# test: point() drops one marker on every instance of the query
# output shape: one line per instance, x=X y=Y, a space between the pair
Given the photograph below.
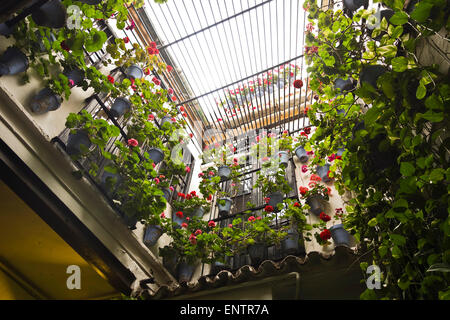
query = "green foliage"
x=396 y=159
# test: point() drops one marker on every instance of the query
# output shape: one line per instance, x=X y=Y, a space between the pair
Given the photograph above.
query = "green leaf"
x=421 y=91
x=372 y=222
x=407 y=169
x=421 y=11
x=397 y=239
x=388 y=51
x=396 y=252
x=399 y=64
x=433 y=116
x=399 y=18
x=437 y=175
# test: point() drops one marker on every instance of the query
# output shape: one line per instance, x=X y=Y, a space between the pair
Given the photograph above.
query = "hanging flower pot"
x=120 y=107
x=370 y=74
x=322 y=172
x=164 y=120
x=224 y=205
x=39 y=45
x=275 y=252
x=170 y=260
x=199 y=212
x=315 y=202
x=152 y=234
x=257 y=253
x=289 y=244
x=340 y=235
x=51 y=14
x=224 y=172
x=283 y=156
x=274 y=199
x=167 y=193
x=156 y=154
x=240 y=260
x=134 y=72
x=344 y=85
x=13 y=61
x=75 y=142
x=46 y=100
x=185 y=271
x=76 y=75
x=354 y=5
x=107 y=178
x=301 y=154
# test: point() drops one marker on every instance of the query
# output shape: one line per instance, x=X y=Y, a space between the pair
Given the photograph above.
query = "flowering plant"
x=315 y=189
x=190 y=202
x=296 y=214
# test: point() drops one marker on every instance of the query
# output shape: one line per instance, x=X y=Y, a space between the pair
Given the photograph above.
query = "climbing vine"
x=390 y=113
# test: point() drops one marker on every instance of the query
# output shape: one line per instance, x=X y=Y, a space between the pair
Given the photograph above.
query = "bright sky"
x=256 y=40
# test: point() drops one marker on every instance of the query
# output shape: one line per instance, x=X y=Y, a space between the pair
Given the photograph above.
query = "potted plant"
x=370 y=74
x=295 y=214
x=51 y=14
x=170 y=257
x=13 y=61
x=323 y=172
x=354 y=5
x=285 y=147
x=84 y=129
x=154 y=228
x=45 y=100
x=273 y=186
x=344 y=85
x=191 y=204
x=340 y=235
x=299 y=146
x=315 y=195
x=134 y=72
x=120 y=106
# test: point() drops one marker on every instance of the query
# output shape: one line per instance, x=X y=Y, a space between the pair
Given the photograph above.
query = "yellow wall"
x=34 y=258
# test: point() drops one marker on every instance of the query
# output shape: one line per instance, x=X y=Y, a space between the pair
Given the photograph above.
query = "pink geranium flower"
x=132 y=143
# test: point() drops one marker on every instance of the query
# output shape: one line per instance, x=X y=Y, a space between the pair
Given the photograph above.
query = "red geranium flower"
x=304 y=168
x=298 y=84
x=150 y=51
x=307 y=130
x=184 y=225
x=132 y=142
x=198 y=231
x=126 y=39
x=209 y=197
x=303 y=190
x=315 y=177
x=268 y=209
x=169 y=68
x=187 y=169
x=211 y=224
x=193 y=239
x=152 y=44
x=181 y=195
x=297 y=205
x=151 y=117
x=324 y=217
x=325 y=235
x=111 y=79
x=170 y=91
x=173 y=98
x=179 y=214
x=251 y=218
x=162 y=215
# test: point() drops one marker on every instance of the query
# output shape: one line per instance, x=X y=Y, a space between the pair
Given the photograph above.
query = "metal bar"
x=235 y=82
x=213 y=25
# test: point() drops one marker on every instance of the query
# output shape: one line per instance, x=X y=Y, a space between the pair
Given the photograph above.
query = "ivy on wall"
x=390 y=113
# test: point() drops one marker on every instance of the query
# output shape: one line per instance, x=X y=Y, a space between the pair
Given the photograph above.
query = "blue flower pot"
x=340 y=235
x=185 y=271
x=274 y=199
x=109 y=181
x=46 y=100
x=354 y=5
x=170 y=262
x=167 y=193
x=283 y=157
x=13 y=61
x=301 y=154
x=40 y=44
x=340 y=152
x=315 y=203
x=51 y=14
x=199 y=212
x=165 y=120
x=75 y=141
x=240 y=260
x=224 y=209
x=344 y=85
x=76 y=75
x=134 y=72
x=370 y=74
x=257 y=253
x=290 y=245
x=322 y=172
x=218 y=266
x=224 y=172
x=152 y=234
x=120 y=107
x=156 y=154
